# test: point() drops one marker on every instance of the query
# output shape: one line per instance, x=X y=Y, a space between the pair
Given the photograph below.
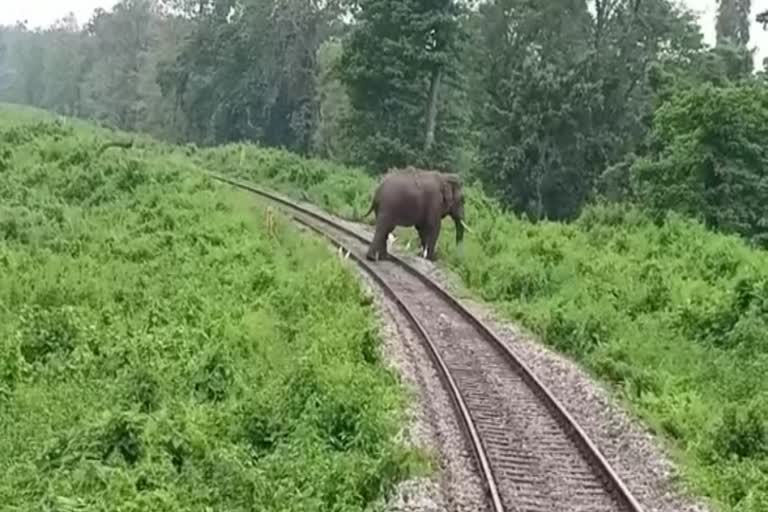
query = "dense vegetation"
x=609 y=114
x=551 y=104
x=162 y=350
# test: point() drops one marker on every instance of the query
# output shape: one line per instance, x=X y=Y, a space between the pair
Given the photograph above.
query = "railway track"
x=531 y=454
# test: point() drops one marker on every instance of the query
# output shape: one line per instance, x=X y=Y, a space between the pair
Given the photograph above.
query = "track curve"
x=540 y=460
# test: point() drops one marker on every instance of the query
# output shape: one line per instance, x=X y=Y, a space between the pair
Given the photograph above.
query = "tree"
x=707 y=162
x=5 y=72
x=25 y=62
x=247 y=70
x=332 y=103
x=732 y=29
x=400 y=57
x=62 y=66
x=117 y=48
x=763 y=19
x=567 y=93
x=538 y=94
x=732 y=25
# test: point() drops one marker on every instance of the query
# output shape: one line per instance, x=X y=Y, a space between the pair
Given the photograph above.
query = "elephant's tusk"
x=464 y=224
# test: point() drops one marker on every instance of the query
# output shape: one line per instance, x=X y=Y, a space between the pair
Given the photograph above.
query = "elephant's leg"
x=378 y=248
x=432 y=234
x=375 y=245
x=384 y=252
x=423 y=239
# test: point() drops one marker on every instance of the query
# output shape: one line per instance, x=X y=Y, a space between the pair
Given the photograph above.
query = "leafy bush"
x=160 y=351
x=708 y=158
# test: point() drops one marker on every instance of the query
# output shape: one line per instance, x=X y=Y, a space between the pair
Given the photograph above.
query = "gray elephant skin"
x=416 y=198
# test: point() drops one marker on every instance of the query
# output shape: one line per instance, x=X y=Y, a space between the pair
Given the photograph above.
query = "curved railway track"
x=529 y=451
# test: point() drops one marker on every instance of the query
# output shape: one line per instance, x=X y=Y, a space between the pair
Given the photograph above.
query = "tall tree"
x=117 y=46
x=762 y=18
x=537 y=95
x=401 y=56
x=63 y=66
x=732 y=30
x=732 y=25
x=25 y=62
x=5 y=72
x=567 y=93
x=247 y=70
x=332 y=104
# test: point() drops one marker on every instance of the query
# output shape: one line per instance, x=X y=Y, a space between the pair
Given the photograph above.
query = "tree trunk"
x=539 y=196
x=434 y=87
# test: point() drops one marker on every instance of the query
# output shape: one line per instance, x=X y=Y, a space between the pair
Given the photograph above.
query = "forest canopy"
x=551 y=105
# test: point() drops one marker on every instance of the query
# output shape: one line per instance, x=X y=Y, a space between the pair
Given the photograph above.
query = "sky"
x=45 y=12
x=707 y=9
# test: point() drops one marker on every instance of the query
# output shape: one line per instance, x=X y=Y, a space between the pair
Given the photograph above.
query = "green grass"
x=342 y=190
x=162 y=351
x=674 y=317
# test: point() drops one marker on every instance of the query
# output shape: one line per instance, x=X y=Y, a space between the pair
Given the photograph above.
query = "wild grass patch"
x=162 y=351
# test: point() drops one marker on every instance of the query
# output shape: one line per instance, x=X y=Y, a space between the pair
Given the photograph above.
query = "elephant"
x=420 y=199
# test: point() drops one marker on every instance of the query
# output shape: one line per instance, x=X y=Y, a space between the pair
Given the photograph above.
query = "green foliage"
x=672 y=316
x=256 y=77
x=343 y=190
x=114 y=61
x=707 y=159
x=392 y=58
x=161 y=351
x=568 y=95
x=733 y=21
x=333 y=106
x=549 y=104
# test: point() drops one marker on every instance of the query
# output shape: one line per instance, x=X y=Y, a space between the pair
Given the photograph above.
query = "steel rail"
x=468 y=423
x=610 y=479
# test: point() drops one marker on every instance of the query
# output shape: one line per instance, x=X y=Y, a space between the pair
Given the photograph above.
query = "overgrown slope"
x=673 y=316
x=160 y=350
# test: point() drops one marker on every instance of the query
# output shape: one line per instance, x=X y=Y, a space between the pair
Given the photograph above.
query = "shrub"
x=708 y=159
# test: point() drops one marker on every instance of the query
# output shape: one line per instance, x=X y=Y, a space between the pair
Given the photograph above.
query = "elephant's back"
x=405 y=191
x=407 y=196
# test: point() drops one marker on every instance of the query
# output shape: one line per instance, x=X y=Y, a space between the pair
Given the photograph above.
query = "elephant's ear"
x=453 y=179
x=449 y=186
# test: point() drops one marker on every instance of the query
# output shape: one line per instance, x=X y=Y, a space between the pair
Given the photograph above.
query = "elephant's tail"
x=372 y=208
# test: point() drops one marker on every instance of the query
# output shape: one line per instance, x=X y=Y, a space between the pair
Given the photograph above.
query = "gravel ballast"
x=638 y=458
